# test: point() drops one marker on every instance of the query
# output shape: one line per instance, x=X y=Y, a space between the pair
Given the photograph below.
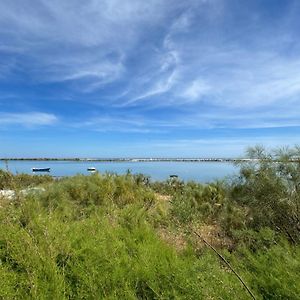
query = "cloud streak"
x=30 y=119
x=98 y=34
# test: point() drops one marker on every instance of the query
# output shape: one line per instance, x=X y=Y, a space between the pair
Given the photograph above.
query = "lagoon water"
x=197 y=171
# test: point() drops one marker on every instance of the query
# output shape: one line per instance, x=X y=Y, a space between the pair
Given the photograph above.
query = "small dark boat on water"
x=91 y=169
x=173 y=176
x=40 y=169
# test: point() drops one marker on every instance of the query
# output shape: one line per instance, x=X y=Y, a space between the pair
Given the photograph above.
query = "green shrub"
x=269 y=186
x=19 y=181
x=197 y=202
x=253 y=240
x=272 y=273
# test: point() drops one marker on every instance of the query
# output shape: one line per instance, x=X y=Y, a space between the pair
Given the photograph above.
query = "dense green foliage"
x=270 y=187
x=125 y=237
x=19 y=181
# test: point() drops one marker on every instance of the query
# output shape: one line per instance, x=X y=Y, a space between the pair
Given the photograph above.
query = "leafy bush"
x=198 y=202
x=273 y=273
x=80 y=195
x=253 y=240
x=269 y=186
x=10 y=181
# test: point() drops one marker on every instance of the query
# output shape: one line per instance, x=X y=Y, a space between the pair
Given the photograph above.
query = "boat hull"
x=40 y=169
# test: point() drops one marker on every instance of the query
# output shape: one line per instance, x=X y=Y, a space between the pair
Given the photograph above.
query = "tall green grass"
x=106 y=254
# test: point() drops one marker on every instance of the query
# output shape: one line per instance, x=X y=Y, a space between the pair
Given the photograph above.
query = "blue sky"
x=157 y=78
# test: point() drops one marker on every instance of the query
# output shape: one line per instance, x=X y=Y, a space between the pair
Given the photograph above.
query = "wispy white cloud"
x=205 y=147
x=187 y=56
x=241 y=68
x=243 y=143
x=196 y=90
x=118 y=123
x=215 y=120
x=235 y=76
x=28 y=119
x=67 y=40
x=159 y=87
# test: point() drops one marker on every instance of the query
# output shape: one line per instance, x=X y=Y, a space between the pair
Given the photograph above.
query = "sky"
x=155 y=78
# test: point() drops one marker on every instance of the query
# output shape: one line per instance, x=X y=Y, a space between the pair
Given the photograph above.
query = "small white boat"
x=91 y=169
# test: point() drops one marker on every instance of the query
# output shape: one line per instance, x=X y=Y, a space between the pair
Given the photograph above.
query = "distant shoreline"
x=131 y=159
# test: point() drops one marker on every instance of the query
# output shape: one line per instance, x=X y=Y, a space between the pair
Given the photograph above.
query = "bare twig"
x=226 y=262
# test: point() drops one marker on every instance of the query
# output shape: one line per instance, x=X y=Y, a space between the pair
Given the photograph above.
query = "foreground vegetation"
x=124 y=237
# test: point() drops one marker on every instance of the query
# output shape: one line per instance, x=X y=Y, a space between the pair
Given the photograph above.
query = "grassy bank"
x=124 y=237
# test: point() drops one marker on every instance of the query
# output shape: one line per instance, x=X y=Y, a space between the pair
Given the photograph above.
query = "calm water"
x=198 y=171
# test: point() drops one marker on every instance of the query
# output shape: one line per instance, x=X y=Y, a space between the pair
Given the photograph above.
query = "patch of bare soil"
x=177 y=240
x=163 y=198
x=214 y=235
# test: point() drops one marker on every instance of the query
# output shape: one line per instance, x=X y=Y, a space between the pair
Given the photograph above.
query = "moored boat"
x=40 y=169
x=173 y=176
x=91 y=169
